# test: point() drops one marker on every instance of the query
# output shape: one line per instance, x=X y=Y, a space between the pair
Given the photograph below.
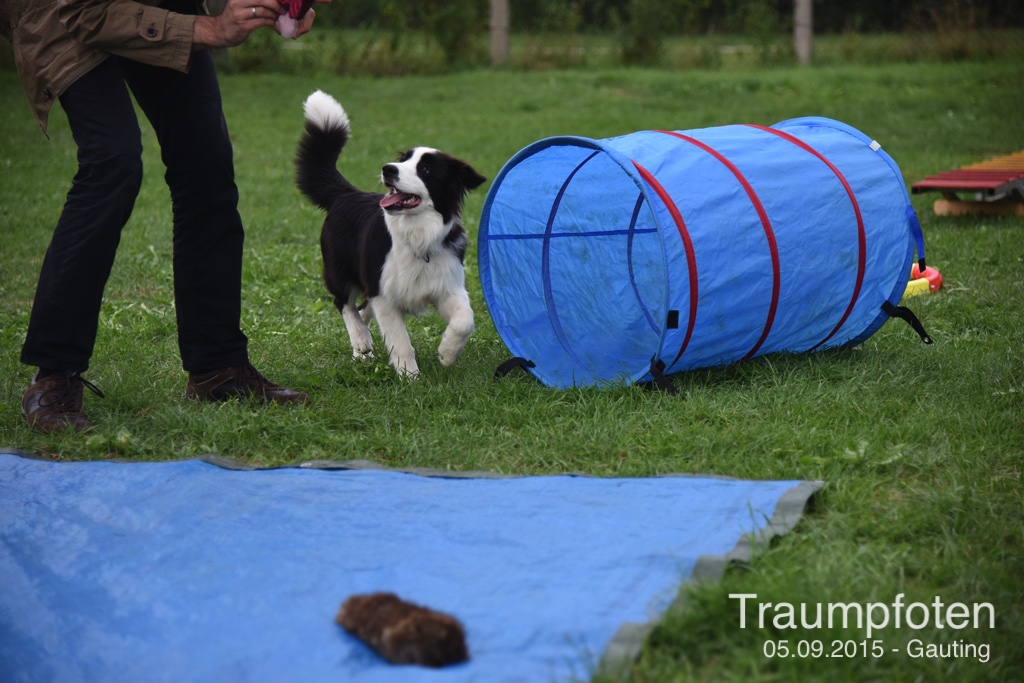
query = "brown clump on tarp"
x=404 y=633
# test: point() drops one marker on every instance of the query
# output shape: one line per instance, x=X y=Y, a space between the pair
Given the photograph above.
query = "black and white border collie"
x=401 y=251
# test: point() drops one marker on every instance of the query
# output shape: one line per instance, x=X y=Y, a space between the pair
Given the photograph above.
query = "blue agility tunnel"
x=624 y=259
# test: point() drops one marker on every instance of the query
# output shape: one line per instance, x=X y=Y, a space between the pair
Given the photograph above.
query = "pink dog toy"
x=295 y=10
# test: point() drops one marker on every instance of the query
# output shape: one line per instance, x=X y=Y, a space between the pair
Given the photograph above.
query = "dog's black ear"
x=468 y=175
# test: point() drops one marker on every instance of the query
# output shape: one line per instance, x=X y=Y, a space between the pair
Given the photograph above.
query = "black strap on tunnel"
x=661 y=381
x=511 y=364
x=906 y=314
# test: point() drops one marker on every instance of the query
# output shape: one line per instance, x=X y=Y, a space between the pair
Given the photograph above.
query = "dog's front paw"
x=456 y=335
x=452 y=346
x=362 y=356
x=406 y=373
x=406 y=367
x=448 y=356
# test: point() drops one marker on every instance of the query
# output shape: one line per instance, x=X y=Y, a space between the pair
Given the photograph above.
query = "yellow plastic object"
x=917 y=287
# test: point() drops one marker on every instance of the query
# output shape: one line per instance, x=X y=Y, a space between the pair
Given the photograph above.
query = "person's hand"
x=233 y=26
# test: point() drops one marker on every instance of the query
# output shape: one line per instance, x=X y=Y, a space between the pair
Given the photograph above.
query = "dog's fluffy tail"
x=327 y=131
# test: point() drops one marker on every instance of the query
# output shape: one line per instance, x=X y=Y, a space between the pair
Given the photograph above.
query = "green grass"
x=921 y=446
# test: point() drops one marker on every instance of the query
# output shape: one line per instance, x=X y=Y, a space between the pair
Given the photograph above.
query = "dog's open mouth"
x=398 y=201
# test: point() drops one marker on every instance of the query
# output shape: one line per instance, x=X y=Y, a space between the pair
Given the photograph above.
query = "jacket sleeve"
x=130 y=29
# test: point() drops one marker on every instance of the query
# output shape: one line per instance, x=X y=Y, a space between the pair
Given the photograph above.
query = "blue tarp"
x=193 y=571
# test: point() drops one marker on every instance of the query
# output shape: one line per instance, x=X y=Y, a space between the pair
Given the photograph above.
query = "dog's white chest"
x=413 y=283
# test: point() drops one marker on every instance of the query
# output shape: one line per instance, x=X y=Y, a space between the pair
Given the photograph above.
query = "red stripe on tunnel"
x=861 y=236
x=691 y=259
x=765 y=224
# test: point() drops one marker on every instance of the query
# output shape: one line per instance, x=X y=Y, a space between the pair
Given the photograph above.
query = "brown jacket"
x=57 y=41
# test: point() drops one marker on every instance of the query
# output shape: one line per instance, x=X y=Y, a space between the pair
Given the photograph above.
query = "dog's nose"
x=389 y=172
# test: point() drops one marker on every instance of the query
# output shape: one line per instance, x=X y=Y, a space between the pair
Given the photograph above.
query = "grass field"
x=922 y=447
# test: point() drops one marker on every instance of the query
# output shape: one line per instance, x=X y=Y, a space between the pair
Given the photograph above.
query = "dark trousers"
x=185 y=111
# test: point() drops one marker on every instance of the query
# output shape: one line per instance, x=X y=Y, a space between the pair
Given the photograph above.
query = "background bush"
x=404 y=37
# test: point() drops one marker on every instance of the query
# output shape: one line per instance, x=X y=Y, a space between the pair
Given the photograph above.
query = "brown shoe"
x=54 y=402
x=242 y=381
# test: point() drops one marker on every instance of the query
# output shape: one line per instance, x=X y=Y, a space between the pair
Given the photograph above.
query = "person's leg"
x=65 y=312
x=185 y=110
